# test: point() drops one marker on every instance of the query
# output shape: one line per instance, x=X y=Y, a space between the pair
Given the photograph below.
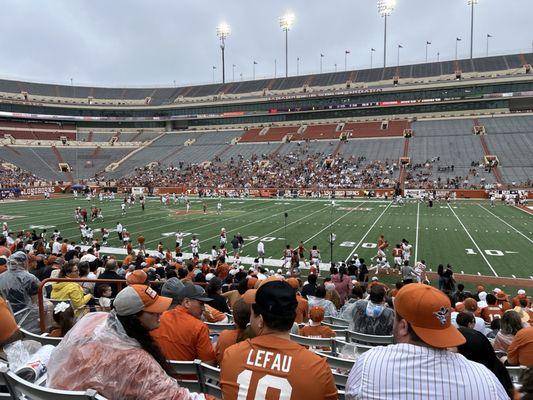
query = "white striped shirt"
x=406 y=371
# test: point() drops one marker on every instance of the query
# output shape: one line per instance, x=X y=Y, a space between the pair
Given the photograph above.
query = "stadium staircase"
x=277 y=150
x=337 y=149
x=495 y=170
x=134 y=139
x=60 y=160
x=179 y=149
x=402 y=166
x=221 y=152
x=12 y=149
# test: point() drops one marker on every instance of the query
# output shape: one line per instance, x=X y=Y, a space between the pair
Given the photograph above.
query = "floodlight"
x=386 y=7
x=470 y=2
x=223 y=30
x=287 y=21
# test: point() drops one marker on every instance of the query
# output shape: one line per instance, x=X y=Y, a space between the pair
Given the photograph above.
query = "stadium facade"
x=457 y=112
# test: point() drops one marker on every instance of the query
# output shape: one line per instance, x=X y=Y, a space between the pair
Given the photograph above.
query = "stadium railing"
x=339 y=321
x=336 y=328
x=21 y=389
x=341 y=395
x=215 y=329
x=208 y=377
x=515 y=372
x=320 y=343
x=43 y=339
x=371 y=340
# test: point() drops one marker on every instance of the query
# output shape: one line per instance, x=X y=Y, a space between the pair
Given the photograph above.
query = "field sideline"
x=470 y=235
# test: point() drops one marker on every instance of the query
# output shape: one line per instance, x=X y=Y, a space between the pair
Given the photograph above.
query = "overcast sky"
x=157 y=42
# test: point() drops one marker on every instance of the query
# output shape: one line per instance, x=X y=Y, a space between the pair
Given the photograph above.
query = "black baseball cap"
x=194 y=292
x=276 y=298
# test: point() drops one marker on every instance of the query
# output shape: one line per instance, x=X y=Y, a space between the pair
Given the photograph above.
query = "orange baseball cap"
x=293 y=282
x=251 y=283
x=316 y=314
x=137 y=277
x=428 y=311
x=9 y=325
x=137 y=298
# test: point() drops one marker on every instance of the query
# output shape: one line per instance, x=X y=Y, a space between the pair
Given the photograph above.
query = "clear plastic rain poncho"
x=98 y=354
x=18 y=287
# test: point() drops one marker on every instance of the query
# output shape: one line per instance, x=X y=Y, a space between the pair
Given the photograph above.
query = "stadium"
x=225 y=240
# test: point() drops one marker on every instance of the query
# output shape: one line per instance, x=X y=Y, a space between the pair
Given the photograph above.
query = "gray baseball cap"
x=194 y=292
x=137 y=298
x=172 y=288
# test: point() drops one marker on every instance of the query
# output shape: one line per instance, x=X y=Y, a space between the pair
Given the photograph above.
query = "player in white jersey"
x=123 y=208
x=174 y=199
x=179 y=239
x=89 y=235
x=287 y=256
x=219 y=208
x=420 y=271
x=406 y=247
x=99 y=215
x=261 y=250
x=223 y=238
x=5 y=229
x=187 y=206
x=492 y=200
x=101 y=197
x=105 y=236
x=195 y=246
x=214 y=256
x=314 y=255
x=88 y=197
x=47 y=195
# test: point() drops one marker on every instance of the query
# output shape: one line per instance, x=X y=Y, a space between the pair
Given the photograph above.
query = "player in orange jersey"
x=271 y=366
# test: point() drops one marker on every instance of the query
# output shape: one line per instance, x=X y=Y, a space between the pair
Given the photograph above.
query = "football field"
x=470 y=235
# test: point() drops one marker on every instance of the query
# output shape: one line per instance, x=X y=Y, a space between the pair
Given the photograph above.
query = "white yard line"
x=243 y=226
x=367 y=232
x=334 y=222
x=473 y=241
x=283 y=227
x=416 y=236
x=506 y=223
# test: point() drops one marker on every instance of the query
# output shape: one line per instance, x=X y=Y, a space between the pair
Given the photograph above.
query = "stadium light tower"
x=223 y=31
x=286 y=22
x=472 y=3
x=385 y=8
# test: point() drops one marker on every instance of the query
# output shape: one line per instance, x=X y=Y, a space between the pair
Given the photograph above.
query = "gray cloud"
x=145 y=42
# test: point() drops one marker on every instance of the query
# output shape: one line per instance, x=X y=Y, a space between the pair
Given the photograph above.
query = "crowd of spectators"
x=426 y=175
x=161 y=306
x=300 y=169
x=15 y=177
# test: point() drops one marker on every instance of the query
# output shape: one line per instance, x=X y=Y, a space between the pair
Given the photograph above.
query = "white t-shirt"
x=260 y=247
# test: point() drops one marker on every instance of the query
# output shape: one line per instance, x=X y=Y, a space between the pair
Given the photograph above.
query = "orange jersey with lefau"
x=273 y=368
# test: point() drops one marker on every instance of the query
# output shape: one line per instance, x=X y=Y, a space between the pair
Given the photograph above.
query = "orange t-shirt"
x=127 y=260
x=64 y=248
x=320 y=331
x=226 y=339
x=271 y=368
x=232 y=296
x=301 y=310
x=211 y=314
x=4 y=251
x=222 y=271
x=490 y=313
x=520 y=351
x=183 y=337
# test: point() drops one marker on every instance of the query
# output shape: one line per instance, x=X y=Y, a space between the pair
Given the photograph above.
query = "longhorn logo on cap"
x=442 y=315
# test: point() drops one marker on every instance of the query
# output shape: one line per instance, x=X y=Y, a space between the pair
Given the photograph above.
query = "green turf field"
x=470 y=235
